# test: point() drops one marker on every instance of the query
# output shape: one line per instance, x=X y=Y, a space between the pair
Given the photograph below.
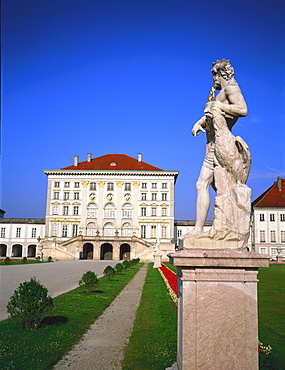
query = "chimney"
x=279 y=183
x=89 y=157
x=139 y=157
x=75 y=160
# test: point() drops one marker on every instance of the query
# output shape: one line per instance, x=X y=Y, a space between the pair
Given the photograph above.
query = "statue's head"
x=224 y=68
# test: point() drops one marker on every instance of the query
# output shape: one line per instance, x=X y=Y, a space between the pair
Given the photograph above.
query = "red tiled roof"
x=273 y=196
x=114 y=162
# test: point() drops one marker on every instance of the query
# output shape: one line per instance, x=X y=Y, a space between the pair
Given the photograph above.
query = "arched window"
x=126 y=229
x=91 y=229
x=109 y=229
x=109 y=211
x=92 y=210
x=127 y=211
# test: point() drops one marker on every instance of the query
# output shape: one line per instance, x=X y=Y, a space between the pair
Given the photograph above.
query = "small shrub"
x=89 y=281
x=29 y=304
x=7 y=260
x=119 y=268
x=49 y=259
x=24 y=260
x=109 y=272
x=126 y=264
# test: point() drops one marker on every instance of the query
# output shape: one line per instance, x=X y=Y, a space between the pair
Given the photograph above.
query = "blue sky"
x=133 y=76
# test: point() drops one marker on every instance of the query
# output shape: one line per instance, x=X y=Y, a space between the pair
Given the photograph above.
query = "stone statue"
x=225 y=167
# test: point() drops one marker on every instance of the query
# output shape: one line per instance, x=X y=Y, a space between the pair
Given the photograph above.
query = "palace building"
x=109 y=207
x=268 y=220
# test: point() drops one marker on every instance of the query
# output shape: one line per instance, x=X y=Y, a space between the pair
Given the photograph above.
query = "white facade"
x=19 y=237
x=269 y=230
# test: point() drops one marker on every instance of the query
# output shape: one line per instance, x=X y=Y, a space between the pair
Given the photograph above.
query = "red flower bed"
x=171 y=278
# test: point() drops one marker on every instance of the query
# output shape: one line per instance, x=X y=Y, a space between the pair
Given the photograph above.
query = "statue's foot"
x=192 y=234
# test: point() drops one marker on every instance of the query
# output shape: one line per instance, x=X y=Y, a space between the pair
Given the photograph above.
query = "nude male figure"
x=232 y=105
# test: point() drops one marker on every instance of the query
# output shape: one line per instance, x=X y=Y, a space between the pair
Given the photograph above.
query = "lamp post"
x=54 y=239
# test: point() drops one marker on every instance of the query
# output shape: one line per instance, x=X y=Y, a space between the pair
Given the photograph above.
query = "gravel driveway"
x=58 y=277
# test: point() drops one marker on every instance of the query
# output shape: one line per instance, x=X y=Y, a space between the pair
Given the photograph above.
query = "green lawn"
x=73 y=313
x=152 y=344
x=271 y=314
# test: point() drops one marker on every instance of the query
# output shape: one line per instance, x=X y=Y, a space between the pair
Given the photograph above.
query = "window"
x=65 y=195
x=153 y=196
x=154 y=185
x=56 y=184
x=55 y=210
x=54 y=230
x=143 y=231
x=76 y=185
x=262 y=250
x=92 y=211
x=262 y=236
x=282 y=236
x=153 y=211
x=144 y=185
x=109 y=229
x=143 y=196
x=18 y=232
x=34 y=232
x=153 y=231
x=92 y=186
x=76 y=195
x=65 y=210
x=272 y=236
x=74 y=230
x=75 y=210
x=261 y=217
x=64 y=231
x=164 y=211
x=179 y=233
x=56 y=195
x=127 y=229
x=273 y=252
x=128 y=186
x=164 y=231
x=66 y=184
x=164 y=185
x=143 y=211
x=282 y=217
x=127 y=211
x=109 y=211
x=164 y=196
x=110 y=186
x=3 y=232
x=272 y=217
x=91 y=229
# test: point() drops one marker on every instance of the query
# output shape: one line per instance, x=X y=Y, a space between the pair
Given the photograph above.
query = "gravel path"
x=102 y=347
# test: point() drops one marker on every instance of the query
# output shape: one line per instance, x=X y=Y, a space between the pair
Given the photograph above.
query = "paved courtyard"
x=58 y=277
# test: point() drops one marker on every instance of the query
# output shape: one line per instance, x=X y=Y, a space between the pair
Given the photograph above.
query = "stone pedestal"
x=157 y=259
x=217 y=309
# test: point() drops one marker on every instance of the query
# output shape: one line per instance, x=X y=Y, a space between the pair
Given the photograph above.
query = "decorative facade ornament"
x=92 y=196
x=84 y=184
x=101 y=184
x=136 y=184
x=119 y=184
x=127 y=197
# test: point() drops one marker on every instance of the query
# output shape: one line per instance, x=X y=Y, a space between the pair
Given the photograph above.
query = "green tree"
x=119 y=268
x=29 y=304
x=109 y=272
x=89 y=281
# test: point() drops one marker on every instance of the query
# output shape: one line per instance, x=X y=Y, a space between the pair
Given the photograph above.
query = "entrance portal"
x=125 y=252
x=31 y=251
x=3 y=250
x=17 y=250
x=106 y=251
x=88 y=251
